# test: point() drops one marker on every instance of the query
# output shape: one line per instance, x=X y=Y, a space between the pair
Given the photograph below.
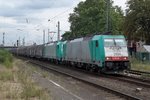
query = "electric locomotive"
x=105 y=53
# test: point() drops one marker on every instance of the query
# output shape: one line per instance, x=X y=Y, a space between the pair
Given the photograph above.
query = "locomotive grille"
x=116 y=65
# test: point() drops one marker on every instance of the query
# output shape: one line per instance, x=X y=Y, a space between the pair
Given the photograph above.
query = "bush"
x=6 y=58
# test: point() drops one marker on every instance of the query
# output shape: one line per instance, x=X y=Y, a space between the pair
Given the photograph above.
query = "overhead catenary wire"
x=62 y=13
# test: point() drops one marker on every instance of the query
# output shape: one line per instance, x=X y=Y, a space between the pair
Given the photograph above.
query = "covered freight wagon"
x=39 y=51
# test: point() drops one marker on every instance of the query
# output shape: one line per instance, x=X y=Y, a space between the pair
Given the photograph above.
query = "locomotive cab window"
x=96 y=43
x=120 y=42
x=114 y=42
x=109 y=42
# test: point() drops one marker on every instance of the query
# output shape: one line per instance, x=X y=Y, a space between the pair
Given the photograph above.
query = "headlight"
x=108 y=58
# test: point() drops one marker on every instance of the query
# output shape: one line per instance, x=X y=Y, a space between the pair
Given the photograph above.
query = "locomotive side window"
x=96 y=43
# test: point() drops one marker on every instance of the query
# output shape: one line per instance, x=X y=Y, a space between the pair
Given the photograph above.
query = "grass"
x=44 y=74
x=31 y=91
x=12 y=90
x=139 y=65
x=6 y=76
x=6 y=58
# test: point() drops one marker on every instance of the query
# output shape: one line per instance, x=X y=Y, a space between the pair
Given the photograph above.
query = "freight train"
x=100 y=53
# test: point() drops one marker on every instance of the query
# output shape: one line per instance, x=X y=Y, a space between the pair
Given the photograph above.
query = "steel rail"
x=137 y=72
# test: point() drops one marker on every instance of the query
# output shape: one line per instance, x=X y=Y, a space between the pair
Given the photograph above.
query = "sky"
x=28 y=18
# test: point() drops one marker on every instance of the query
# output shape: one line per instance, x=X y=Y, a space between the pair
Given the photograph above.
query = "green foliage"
x=137 y=21
x=6 y=58
x=89 y=17
x=66 y=36
x=117 y=20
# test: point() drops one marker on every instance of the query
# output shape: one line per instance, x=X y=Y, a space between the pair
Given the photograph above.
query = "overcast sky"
x=28 y=18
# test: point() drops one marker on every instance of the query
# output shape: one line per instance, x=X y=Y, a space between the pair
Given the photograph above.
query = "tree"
x=66 y=36
x=89 y=17
x=137 y=20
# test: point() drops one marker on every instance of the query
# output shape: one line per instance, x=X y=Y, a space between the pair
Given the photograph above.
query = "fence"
x=144 y=56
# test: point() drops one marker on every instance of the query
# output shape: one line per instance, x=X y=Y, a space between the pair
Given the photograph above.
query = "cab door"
x=95 y=50
x=57 y=51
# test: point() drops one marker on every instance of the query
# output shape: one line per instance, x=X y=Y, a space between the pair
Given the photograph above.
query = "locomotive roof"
x=51 y=43
x=96 y=37
x=81 y=39
x=77 y=40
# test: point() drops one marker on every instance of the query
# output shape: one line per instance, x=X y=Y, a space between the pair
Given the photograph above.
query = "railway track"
x=133 y=80
x=116 y=92
x=137 y=76
x=122 y=77
x=138 y=72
